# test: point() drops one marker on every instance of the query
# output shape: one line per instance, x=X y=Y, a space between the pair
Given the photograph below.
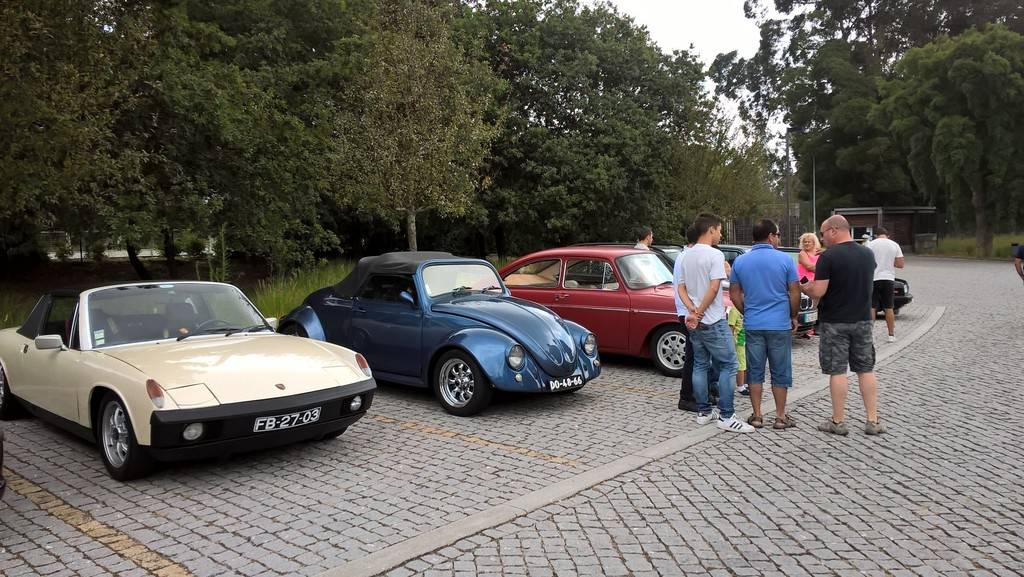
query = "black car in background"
x=901 y=288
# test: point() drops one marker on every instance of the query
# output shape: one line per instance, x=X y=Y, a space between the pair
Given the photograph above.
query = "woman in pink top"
x=807 y=258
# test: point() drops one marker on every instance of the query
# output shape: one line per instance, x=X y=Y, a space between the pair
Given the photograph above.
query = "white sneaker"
x=892 y=339
x=705 y=418
x=734 y=425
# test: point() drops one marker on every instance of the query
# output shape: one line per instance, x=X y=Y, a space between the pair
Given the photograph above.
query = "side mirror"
x=50 y=342
x=407 y=297
x=273 y=322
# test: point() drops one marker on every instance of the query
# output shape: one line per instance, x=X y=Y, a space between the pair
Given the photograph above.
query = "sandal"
x=755 y=421
x=784 y=422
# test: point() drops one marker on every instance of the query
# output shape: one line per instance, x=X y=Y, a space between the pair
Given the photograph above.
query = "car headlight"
x=590 y=344
x=516 y=357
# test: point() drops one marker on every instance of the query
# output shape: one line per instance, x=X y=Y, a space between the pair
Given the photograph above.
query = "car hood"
x=240 y=367
x=541 y=331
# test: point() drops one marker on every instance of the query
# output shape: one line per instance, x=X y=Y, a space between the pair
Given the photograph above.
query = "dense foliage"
x=307 y=128
x=821 y=69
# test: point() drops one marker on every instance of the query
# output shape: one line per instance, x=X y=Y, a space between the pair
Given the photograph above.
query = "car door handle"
x=561 y=296
x=24 y=349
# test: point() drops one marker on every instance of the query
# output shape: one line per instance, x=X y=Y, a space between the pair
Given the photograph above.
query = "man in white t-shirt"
x=888 y=258
x=699 y=289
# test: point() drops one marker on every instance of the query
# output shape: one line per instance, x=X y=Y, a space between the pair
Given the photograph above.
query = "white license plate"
x=288 y=421
x=810 y=317
x=566 y=383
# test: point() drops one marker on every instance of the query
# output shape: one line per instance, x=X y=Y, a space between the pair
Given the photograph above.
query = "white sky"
x=704 y=27
x=711 y=26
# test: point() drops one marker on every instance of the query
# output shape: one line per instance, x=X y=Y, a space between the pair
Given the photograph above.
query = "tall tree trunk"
x=170 y=252
x=410 y=228
x=133 y=257
x=982 y=226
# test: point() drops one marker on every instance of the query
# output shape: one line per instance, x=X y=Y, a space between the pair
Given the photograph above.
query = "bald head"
x=836 y=221
x=835 y=229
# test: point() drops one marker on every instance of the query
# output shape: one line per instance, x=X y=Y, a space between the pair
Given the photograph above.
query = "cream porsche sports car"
x=174 y=370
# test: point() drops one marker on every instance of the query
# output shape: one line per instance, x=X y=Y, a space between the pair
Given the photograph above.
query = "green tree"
x=415 y=133
x=595 y=111
x=59 y=69
x=818 y=68
x=954 y=104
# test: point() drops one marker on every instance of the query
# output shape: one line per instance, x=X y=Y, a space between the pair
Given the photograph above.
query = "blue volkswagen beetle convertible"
x=431 y=319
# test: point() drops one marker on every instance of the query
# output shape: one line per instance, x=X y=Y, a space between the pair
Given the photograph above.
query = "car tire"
x=668 y=350
x=294 y=329
x=122 y=455
x=333 y=434
x=460 y=384
x=9 y=407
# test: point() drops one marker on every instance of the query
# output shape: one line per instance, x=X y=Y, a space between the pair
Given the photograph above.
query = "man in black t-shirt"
x=1018 y=259
x=843 y=280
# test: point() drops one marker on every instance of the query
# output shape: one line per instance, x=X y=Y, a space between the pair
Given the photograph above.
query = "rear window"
x=537 y=274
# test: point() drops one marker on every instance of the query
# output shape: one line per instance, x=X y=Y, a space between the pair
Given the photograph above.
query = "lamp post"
x=789 y=233
x=814 y=191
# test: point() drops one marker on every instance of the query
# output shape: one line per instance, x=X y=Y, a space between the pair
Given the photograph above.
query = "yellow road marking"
x=115 y=540
x=473 y=439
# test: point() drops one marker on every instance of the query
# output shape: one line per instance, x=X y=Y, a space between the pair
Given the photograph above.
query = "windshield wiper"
x=461 y=290
x=206 y=332
x=491 y=288
x=252 y=329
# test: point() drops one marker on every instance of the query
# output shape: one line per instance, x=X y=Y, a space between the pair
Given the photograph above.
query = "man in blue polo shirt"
x=764 y=288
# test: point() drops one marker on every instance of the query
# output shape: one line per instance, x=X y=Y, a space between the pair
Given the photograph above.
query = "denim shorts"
x=775 y=347
x=843 y=344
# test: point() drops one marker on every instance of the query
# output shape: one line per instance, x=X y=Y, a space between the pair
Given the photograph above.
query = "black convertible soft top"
x=388 y=263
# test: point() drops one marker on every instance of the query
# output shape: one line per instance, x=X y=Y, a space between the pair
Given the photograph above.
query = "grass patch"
x=276 y=297
x=499 y=262
x=14 y=307
x=965 y=246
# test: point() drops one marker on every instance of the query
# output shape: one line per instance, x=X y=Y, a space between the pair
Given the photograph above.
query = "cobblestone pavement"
x=938 y=495
x=408 y=467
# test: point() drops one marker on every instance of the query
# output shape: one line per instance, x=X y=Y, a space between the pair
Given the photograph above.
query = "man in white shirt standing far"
x=644 y=238
x=703 y=270
x=888 y=258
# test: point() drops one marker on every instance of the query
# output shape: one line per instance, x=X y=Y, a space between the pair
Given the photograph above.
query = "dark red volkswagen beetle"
x=622 y=294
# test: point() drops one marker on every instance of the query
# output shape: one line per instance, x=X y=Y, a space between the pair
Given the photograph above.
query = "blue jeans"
x=713 y=345
x=775 y=347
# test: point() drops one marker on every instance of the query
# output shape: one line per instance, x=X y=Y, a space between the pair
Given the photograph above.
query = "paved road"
x=409 y=469
x=939 y=495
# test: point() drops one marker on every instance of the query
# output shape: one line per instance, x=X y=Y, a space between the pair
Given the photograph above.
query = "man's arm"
x=736 y=294
x=1019 y=265
x=687 y=302
x=709 y=297
x=794 y=303
x=815 y=289
x=898 y=263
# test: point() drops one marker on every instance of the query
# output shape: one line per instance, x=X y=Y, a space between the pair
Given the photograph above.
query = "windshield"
x=643 y=270
x=144 y=313
x=439 y=279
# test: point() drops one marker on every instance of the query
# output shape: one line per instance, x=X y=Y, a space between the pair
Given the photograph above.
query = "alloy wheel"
x=672 y=349
x=457 y=382
x=115 y=434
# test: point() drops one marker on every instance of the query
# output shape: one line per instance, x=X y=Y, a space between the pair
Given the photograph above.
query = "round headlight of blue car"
x=590 y=344
x=516 y=357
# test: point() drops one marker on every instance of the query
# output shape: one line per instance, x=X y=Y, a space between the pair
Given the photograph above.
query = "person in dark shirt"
x=843 y=281
x=1018 y=259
